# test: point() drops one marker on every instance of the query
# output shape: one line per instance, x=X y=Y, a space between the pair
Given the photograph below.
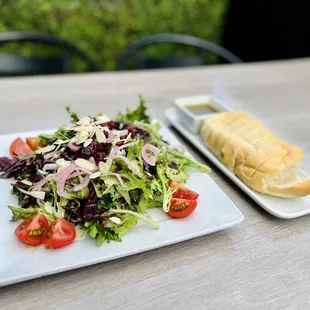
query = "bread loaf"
x=261 y=160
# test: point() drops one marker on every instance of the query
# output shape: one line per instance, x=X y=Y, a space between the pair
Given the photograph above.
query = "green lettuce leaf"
x=166 y=190
x=128 y=221
x=22 y=213
x=46 y=139
x=97 y=230
x=139 y=114
x=73 y=115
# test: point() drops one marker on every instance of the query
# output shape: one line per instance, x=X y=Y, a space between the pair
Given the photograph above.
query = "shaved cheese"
x=87 y=142
x=84 y=120
x=49 y=207
x=83 y=163
x=95 y=175
x=49 y=167
x=102 y=119
x=105 y=167
x=62 y=163
x=59 y=141
x=115 y=220
x=26 y=182
x=46 y=149
x=78 y=128
x=37 y=194
x=100 y=136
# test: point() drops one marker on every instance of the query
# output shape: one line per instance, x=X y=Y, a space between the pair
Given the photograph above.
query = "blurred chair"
x=202 y=46
x=15 y=65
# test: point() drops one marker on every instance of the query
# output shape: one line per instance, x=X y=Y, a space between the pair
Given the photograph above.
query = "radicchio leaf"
x=20 y=167
x=91 y=210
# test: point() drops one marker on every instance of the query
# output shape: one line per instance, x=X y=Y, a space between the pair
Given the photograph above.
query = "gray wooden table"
x=264 y=263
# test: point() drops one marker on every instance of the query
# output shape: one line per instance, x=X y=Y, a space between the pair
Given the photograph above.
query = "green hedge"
x=104 y=28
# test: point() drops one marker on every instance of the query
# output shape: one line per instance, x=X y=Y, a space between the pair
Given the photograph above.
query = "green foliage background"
x=104 y=28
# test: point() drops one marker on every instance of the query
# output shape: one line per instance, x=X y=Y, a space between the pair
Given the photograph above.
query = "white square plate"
x=19 y=263
x=279 y=207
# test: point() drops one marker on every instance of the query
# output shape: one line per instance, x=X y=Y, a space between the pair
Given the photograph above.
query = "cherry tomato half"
x=34 y=143
x=33 y=229
x=60 y=234
x=181 y=207
x=19 y=147
x=182 y=191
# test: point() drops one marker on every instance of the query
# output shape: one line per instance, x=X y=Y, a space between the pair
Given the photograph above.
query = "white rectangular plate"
x=279 y=207
x=19 y=263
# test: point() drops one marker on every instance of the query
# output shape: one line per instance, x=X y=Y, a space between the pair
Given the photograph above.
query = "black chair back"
x=201 y=45
x=15 y=65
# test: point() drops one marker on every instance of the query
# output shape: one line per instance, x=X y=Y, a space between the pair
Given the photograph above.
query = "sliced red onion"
x=76 y=174
x=150 y=160
x=38 y=186
x=57 y=177
x=79 y=172
x=81 y=185
x=61 y=179
x=50 y=167
x=65 y=174
x=111 y=137
x=115 y=151
x=68 y=170
x=92 y=160
x=61 y=191
x=114 y=154
x=73 y=147
x=84 y=170
x=126 y=160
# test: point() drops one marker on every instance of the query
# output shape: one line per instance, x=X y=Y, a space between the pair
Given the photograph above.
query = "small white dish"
x=18 y=262
x=192 y=110
x=279 y=207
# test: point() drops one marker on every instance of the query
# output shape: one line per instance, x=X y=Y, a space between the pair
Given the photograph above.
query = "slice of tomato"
x=182 y=191
x=34 y=143
x=19 y=147
x=60 y=234
x=181 y=207
x=33 y=229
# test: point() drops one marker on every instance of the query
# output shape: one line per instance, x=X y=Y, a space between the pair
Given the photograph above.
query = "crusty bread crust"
x=299 y=189
x=254 y=154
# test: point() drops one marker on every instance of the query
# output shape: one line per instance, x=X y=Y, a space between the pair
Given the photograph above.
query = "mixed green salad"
x=97 y=174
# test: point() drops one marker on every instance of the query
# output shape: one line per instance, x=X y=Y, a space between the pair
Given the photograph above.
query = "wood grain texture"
x=261 y=264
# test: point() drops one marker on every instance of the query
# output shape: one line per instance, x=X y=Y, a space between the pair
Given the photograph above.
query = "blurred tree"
x=104 y=28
